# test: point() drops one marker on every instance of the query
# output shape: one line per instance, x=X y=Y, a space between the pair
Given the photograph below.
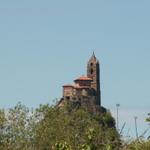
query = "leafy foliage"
x=67 y=128
x=49 y=127
x=137 y=145
x=78 y=128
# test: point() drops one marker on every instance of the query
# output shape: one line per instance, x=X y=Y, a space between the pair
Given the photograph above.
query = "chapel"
x=86 y=89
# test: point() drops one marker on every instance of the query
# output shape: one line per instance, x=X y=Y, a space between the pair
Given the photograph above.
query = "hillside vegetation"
x=67 y=128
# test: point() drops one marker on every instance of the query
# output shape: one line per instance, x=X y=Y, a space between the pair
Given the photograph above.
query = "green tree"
x=17 y=131
x=2 y=125
x=71 y=126
x=52 y=128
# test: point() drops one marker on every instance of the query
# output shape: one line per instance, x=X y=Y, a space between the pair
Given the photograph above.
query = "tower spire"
x=93 y=54
x=93 y=57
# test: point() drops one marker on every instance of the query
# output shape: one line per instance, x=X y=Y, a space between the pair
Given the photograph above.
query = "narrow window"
x=68 y=97
x=91 y=71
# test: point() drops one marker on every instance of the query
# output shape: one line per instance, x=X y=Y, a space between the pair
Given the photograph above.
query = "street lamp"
x=117 y=106
x=136 y=130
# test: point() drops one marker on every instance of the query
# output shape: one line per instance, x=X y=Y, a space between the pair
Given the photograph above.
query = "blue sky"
x=45 y=44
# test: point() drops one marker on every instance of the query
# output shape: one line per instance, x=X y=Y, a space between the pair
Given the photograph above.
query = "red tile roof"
x=83 y=78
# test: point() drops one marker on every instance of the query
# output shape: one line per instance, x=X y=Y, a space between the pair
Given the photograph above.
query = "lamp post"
x=117 y=106
x=136 y=130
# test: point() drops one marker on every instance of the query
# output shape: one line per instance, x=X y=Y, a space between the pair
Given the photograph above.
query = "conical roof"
x=93 y=58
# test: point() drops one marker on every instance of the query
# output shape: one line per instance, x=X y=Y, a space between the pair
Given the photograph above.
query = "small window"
x=68 y=97
x=91 y=64
x=91 y=71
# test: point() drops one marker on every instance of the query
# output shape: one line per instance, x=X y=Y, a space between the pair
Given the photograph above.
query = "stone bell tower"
x=93 y=71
